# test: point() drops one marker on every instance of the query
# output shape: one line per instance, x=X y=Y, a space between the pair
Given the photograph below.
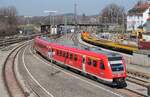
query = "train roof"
x=69 y=43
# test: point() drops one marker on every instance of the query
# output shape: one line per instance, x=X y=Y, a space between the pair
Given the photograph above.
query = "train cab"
x=114 y=66
x=118 y=69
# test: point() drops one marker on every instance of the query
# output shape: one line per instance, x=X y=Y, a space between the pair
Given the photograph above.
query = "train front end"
x=118 y=69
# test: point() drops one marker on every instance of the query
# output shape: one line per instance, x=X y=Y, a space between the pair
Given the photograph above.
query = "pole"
x=124 y=28
x=65 y=25
x=75 y=12
x=148 y=90
x=51 y=51
x=52 y=74
x=49 y=22
x=53 y=19
x=75 y=20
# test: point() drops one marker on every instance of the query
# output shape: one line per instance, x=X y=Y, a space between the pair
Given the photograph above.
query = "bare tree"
x=112 y=14
x=8 y=20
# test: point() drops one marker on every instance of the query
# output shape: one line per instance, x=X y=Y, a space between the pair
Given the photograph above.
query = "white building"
x=137 y=16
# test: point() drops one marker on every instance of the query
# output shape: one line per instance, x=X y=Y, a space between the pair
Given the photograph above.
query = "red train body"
x=107 y=67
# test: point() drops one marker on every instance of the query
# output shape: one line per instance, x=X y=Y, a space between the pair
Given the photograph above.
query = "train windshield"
x=117 y=67
x=114 y=58
x=116 y=63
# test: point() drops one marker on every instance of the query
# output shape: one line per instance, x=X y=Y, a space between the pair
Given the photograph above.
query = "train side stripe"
x=109 y=80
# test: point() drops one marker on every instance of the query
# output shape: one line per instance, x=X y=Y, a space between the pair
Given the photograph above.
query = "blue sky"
x=37 y=7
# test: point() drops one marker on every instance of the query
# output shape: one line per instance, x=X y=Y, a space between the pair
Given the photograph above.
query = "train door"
x=83 y=63
x=50 y=53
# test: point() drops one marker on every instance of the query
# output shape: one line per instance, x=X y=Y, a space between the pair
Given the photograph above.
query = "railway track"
x=138 y=78
x=12 y=84
x=11 y=41
x=139 y=75
x=6 y=42
x=15 y=89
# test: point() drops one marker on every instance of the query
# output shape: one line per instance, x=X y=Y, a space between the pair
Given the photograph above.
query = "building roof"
x=139 y=8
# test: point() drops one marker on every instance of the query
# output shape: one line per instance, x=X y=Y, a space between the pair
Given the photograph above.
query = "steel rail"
x=10 y=80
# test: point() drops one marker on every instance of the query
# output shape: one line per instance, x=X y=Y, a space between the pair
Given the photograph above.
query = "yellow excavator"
x=137 y=33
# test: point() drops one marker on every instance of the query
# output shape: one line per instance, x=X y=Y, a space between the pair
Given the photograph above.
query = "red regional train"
x=107 y=67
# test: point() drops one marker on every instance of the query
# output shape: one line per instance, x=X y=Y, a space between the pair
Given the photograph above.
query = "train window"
x=102 y=66
x=117 y=67
x=70 y=56
x=64 y=53
x=83 y=59
x=94 y=63
x=60 y=53
x=57 y=52
x=89 y=61
x=52 y=49
x=75 y=57
x=67 y=54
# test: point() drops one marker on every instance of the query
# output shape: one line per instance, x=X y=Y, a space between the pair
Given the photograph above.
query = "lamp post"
x=65 y=25
x=50 y=13
x=28 y=20
x=50 y=52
